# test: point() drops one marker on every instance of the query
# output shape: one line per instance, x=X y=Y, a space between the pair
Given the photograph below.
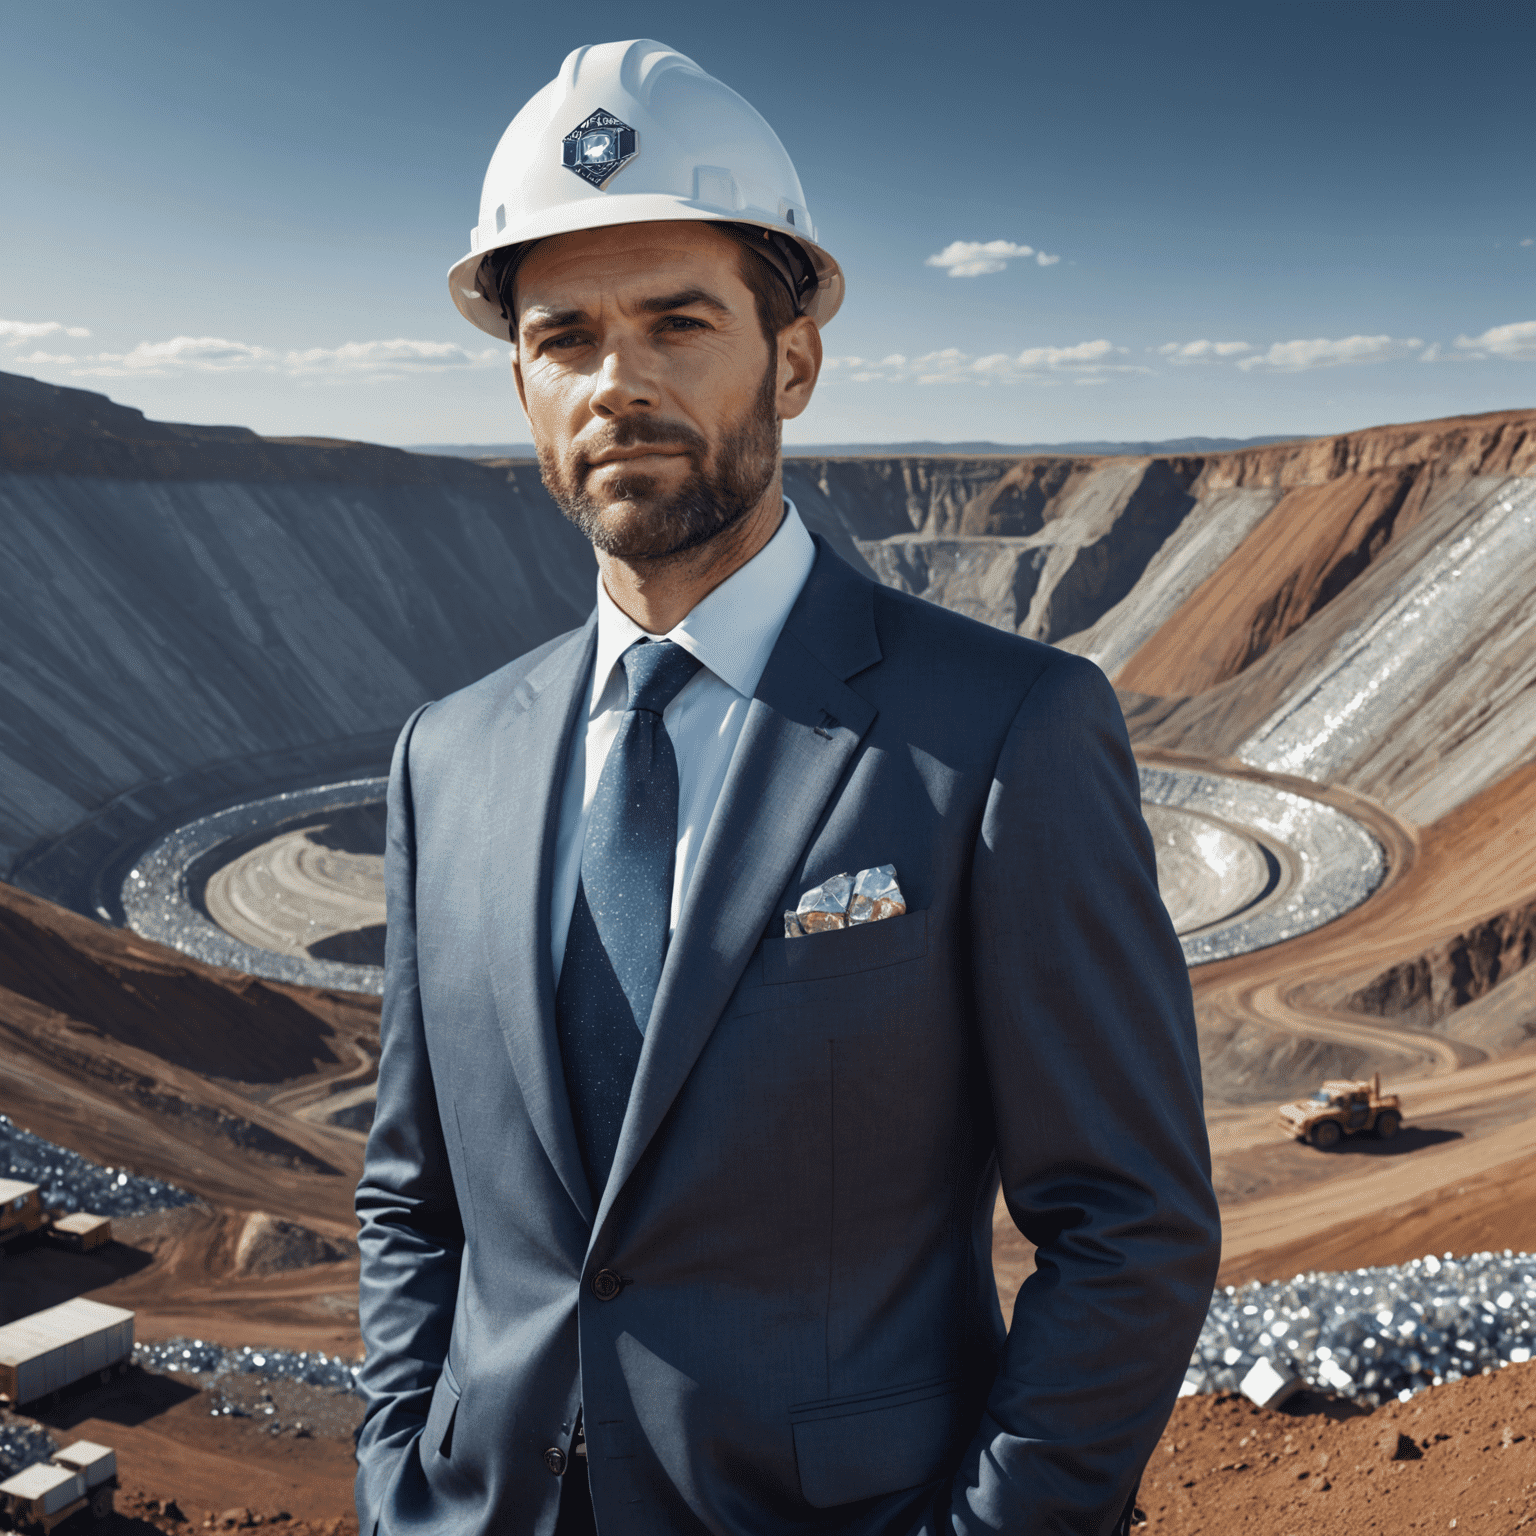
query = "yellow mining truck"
x=1339 y=1109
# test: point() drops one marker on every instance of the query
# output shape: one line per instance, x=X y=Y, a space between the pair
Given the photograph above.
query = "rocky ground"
x=1457 y=1457
x=1461 y=1457
x=111 y=1047
x=184 y=1462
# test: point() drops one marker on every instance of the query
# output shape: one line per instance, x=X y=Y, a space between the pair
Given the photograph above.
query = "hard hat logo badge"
x=598 y=148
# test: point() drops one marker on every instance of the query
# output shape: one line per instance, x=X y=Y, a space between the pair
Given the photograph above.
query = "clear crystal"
x=876 y=895
x=825 y=906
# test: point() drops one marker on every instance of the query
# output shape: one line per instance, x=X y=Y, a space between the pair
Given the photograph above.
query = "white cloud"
x=1065 y=357
x=1528 y=241
x=399 y=358
x=1297 y=356
x=1086 y=361
x=40 y=360
x=370 y=361
x=1515 y=342
x=14 y=332
x=976 y=258
x=1096 y=362
x=1202 y=351
x=181 y=354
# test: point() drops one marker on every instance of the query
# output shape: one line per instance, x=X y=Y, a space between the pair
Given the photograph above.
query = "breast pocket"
x=865 y=947
x=863 y=1447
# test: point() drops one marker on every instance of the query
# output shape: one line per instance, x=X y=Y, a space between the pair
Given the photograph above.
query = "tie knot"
x=656 y=671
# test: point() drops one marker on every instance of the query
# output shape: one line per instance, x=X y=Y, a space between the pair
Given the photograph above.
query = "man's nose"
x=621 y=386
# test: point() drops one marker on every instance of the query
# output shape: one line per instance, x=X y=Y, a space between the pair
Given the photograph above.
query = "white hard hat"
x=628 y=133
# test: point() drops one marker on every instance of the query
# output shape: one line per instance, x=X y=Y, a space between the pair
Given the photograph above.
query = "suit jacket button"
x=606 y=1285
x=554 y=1459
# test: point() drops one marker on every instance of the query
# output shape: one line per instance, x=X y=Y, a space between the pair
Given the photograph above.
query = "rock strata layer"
x=201 y=617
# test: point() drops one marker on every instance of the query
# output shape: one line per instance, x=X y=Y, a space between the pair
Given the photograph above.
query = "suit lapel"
x=801 y=732
x=530 y=747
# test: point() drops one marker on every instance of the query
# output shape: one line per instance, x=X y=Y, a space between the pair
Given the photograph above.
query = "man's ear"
x=799 y=348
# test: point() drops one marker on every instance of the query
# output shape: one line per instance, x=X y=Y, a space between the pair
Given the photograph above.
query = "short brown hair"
x=771 y=295
x=775 y=303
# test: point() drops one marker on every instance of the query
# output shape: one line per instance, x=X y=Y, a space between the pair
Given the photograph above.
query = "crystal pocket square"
x=845 y=901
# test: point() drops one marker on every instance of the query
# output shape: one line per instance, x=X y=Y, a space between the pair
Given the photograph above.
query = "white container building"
x=43 y=1492
x=97 y=1464
x=62 y=1345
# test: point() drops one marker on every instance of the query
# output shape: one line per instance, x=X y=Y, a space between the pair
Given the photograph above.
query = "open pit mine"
x=1325 y=649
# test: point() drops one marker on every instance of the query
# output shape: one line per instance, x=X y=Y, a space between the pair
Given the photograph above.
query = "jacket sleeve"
x=1088 y=1035
x=410 y=1236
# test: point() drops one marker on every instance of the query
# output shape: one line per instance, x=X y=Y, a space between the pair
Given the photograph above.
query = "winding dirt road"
x=1471 y=1130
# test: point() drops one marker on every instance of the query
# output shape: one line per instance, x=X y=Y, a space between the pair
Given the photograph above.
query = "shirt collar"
x=734 y=629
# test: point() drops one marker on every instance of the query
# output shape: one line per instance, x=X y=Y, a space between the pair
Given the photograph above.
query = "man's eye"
x=564 y=343
x=682 y=323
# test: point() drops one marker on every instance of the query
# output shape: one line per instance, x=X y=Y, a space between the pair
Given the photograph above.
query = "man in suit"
x=673 y=1222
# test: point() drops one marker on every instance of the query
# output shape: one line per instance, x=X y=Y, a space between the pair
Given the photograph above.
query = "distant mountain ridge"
x=927 y=448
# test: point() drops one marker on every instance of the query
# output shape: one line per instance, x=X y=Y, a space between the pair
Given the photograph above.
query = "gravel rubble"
x=1365 y=1334
x=314 y=1368
x=70 y=1182
x=1374 y=1334
x=21 y=1445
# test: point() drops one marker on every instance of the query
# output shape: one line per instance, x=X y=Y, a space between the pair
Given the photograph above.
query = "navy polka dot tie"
x=618 y=934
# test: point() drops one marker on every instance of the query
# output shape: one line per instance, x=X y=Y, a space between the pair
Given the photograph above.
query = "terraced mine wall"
x=192 y=617
x=188 y=615
x=1488 y=964
x=197 y=619
x=1354 y=611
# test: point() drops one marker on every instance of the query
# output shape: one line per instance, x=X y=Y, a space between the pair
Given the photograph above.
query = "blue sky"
x=1266 y=217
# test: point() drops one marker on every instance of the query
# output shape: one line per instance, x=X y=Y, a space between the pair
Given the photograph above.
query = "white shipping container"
x=42 y=1489
x=95 y=1463
x=82 y=1230
x=62 y=1345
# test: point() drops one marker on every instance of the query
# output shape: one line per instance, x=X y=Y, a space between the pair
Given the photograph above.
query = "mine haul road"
x=1464 y=1161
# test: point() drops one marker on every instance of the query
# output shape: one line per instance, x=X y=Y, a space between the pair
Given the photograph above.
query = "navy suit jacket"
x=807 y=1336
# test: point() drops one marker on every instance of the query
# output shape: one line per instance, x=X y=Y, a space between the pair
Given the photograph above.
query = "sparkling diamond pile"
x=21 y=1445
x=198 y=1358
x=70 y=1183
x=1376 y=1333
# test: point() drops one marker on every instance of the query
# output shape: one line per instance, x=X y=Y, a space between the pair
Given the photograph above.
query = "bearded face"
x=654 y=386
x=641 y=514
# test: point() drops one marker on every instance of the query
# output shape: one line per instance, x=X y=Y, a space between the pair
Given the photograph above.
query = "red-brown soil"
x=1486 y=1211
x=172 y=1444
x=143 y=1059
x=1470 y=1125
x=1345 y=500
x=1317 y=539
x=1459 y=1457
x=111 y=1046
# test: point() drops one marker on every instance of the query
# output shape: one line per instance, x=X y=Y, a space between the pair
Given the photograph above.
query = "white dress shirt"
x=733 y=632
